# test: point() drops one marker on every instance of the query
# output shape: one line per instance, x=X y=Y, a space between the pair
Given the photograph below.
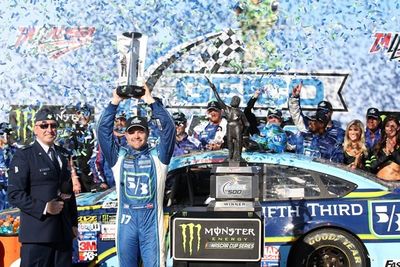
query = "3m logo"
x=87 y=246
x=190 y=232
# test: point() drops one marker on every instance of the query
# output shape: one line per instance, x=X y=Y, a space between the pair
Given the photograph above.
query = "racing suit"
x=301 y=121
x=327 y=145
x=317 y=146
x=186 y=145
x=208 y=133
x=139 y=177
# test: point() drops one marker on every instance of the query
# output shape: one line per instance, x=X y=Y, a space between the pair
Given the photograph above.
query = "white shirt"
x=46 y=148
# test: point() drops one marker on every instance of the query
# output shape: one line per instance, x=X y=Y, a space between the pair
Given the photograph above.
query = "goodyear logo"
x=384 y=217
x=190 y=232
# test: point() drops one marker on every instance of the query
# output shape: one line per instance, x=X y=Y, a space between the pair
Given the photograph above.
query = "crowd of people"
x=118 y=152
x=374 y=148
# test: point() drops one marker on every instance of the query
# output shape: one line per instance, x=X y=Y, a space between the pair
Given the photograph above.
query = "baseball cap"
x=5 y=127
x=320 y=116
x=139 y=122
x=84 y=110
x=325 y=106
x=120 y=115
x=179 y=117
x=272 y=112
x=44 y=114
x=373 y=113
x=213 y=105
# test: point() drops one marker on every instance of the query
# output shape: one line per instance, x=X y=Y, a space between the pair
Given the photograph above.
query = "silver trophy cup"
x=132 y=53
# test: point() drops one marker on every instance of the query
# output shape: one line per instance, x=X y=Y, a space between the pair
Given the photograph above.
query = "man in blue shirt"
x=211 y=133
x=315 y=140
x=301 y=121
x=373 y=130
x=184 y=143
x=139 y=173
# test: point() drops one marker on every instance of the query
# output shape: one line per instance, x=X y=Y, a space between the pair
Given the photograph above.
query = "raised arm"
x=220 y=101
x=295 y=109
x=166 y=131
x=105 y=131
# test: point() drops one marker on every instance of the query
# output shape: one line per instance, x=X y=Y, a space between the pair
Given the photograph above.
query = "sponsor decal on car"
x=109 y=218
x=108 y=232
x=315 y=209
x=88 y=227
x=110 y=205
x=87 y=219
x=392 y=263
x=88 y=235
x=271 y=253
x=87 y=250
x=384 y=218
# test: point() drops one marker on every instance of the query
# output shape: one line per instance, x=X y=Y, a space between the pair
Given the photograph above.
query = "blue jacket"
x=368 y=138
x=148 y=165
x=33 y=181
x=301 y=121
x=319 y=146
x=186 y=145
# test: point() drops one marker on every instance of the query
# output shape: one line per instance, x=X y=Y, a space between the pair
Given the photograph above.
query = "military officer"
x=40 y=186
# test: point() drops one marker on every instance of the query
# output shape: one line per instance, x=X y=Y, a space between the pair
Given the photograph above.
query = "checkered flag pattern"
x=221 y=52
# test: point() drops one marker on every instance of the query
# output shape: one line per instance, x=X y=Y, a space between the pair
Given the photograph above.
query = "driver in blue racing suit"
x=139 y=173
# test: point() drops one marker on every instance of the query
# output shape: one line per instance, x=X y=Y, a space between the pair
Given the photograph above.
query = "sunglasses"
x=45 y=126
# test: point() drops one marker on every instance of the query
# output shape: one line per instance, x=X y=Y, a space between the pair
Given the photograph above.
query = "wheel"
x=328 y=248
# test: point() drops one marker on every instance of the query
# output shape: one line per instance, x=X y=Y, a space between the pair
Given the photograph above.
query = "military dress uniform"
x=34 y=180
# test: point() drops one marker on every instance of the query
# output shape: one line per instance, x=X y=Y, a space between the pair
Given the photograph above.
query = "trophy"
x=132 y=53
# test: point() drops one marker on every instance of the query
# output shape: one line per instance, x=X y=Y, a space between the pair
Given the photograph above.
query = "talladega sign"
x=179 y=77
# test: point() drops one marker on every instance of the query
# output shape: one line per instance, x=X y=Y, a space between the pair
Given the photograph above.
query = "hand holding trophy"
x=132 y=53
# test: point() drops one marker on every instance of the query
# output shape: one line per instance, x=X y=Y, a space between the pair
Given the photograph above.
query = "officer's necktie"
x=54 y=158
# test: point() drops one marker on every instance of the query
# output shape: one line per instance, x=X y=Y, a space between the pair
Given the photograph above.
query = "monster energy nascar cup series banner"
x=216 y=239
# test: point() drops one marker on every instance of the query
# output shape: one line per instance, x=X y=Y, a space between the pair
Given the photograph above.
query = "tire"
x=328 y=247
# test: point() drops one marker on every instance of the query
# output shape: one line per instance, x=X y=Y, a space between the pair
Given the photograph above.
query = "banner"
x=217 y=239
x=22 y=120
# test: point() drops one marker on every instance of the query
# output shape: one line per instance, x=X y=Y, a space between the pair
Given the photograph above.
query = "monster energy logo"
x=191 y=227
x=23 y=122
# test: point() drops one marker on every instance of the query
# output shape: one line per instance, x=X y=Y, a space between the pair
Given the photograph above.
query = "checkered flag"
x=221 y=52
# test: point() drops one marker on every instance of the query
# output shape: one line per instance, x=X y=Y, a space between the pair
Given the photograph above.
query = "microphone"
x=65 y=190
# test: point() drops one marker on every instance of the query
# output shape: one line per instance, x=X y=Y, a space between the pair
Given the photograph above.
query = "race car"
x=315 y=213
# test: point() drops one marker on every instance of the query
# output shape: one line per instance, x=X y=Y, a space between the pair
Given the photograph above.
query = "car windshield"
x=391 y=185
x=190 y=185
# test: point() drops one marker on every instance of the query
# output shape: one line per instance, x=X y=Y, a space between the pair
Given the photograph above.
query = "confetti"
x=307 y=35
